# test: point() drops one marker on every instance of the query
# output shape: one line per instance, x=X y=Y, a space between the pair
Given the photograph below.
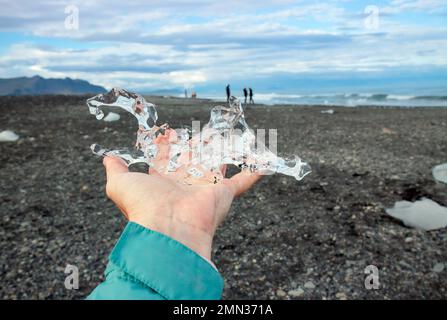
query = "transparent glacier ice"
x=193 y=154
x=8 y=136
x=440 y=173
x=424 y=214
x=111 y=117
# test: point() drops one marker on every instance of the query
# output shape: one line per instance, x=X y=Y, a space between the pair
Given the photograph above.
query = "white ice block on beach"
x=329 y=111
x=440 y=173
x=112 y=116
x=8 y=136
x=423 y=214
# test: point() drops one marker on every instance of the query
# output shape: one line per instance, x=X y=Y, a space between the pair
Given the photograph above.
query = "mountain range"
x=37 y=85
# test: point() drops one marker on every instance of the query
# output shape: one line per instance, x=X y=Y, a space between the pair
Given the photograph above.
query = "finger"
x=242 y=181
x=163 y=149
x=223 y=169
x=153 y=172
x=114 y=166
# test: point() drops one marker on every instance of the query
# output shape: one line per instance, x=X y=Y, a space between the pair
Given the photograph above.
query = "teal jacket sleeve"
x=149 y=265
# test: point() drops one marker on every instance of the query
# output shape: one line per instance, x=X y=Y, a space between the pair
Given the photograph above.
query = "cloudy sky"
x=276 y=45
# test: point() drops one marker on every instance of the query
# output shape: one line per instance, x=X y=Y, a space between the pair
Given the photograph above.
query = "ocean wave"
x=353 y=99
x=400 y=97
x=436 y=98
x=349 y=99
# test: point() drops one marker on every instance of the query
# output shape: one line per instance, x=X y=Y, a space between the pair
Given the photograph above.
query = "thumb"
x=114 y=166
x=242 y=181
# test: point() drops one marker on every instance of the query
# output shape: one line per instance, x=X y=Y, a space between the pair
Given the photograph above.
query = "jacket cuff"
x=165 y=265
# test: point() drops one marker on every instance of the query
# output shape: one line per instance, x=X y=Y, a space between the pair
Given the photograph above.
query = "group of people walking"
x=247 y=93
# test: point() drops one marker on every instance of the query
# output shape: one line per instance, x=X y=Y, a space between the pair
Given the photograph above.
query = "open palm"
x=188 y=213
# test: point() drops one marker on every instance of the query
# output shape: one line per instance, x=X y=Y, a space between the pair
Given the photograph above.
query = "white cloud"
x=398 y=6
x=158 y=44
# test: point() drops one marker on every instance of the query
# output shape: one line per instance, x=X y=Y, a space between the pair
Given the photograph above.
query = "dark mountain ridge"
x=38 y=86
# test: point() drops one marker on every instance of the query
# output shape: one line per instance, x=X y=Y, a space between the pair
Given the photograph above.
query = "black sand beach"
x=284 y=239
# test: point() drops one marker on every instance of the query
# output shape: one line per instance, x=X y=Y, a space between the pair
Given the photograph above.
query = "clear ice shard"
x=440 y=173
x=8 y=136
x=193 y=154
x=111 y=117
x=424 y=214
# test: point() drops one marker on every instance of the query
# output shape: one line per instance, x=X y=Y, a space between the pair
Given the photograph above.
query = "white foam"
x=440 y=173
x=112 y=116
x=8 y=136
x=424 y=214
x=400 y=97
x=276 y=96
x=329 y=111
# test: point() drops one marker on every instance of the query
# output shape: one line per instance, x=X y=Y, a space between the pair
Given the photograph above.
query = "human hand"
x=189 y=214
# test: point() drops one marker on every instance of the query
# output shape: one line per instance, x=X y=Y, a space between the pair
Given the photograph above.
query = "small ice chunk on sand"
x=112 y=116
x=423 y=214
x=330 y=111
x=440 y=173
x=439 y=267
x=8 y=135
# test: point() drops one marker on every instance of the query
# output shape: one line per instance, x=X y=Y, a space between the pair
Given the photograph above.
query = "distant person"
x=186 y=94
x=251 y=96
x=193 y=95
x=228 y=92
x=245 y=95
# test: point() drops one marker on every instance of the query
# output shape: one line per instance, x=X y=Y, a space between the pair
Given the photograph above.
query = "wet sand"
x=284 y=239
